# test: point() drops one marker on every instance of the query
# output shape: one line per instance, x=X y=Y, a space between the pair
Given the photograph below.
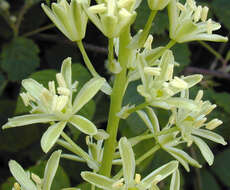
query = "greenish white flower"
x=113 y=16
x=55 y=105
x=167 y=138
x=191 y=123
x=69 y=18
x=130 y=180
x=29 y=181
x=158 y=84
x=188 y=22
x=158 y=4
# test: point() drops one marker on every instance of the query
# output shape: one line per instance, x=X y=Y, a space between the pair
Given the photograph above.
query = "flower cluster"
x=189 y=22
x=132 y=180
x=27 y=181
x=55 y=105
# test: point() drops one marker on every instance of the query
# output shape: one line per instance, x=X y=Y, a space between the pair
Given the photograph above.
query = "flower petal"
x=205 y=150
x=209 y=135
x=66 y=72
x=87 y=92
x=83 y=124
x=50 y=170
x=29 y=119
x=175 y=181
x=21 y=176
x=51 y=135
x=128 y=160
x=183 y=157
x=98 y=180
x=146 y=120
x=33 y=87
x=160 y=173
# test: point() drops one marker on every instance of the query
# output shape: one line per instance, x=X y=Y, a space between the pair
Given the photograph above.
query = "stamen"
x=197 y=14
x=204 y=14
x=179 y=83
x=36 y=179
x=125 y=4
x=209 y=109
x=97 y=9
x=137 y=178
x=152 y=71
x=213 y=124
x=61 y=103
x=209 y=26
x=60 y=80
x=119 y=183
x=63 y=91
x=181 y=7
x=54 y=102
x=25 y=99
x=199 y=95
x=192 y=4
x=51 y=85
x=17 y=186
x=148 y=43
x=111 y=6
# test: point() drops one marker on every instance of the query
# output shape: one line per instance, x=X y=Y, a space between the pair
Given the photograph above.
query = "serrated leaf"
x=19 y=58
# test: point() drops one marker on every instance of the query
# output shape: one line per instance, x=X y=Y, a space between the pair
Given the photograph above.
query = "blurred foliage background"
x=30 y=46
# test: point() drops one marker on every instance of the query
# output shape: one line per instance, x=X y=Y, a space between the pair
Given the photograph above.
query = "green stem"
x=148 y=24
x=38 y=30
x=213 y=51
x=115 y=104
x=139 y=107
x=147 y=154
x=86 y=59
x=152 y=59
x=76 y=149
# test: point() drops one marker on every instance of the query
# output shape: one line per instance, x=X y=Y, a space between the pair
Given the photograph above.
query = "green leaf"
x=19 y=58
x=209 y=181
x=221 y=9
x=221 y=167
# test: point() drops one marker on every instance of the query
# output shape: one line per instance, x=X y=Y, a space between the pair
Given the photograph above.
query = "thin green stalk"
x=77 y=150
x=147 y=154
x=38 y=30
x=167 y=131
x=139 y=107
x=115 y=104
x=148 y=24
x=86 y=59
x=213 y=51
x=152 y=59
